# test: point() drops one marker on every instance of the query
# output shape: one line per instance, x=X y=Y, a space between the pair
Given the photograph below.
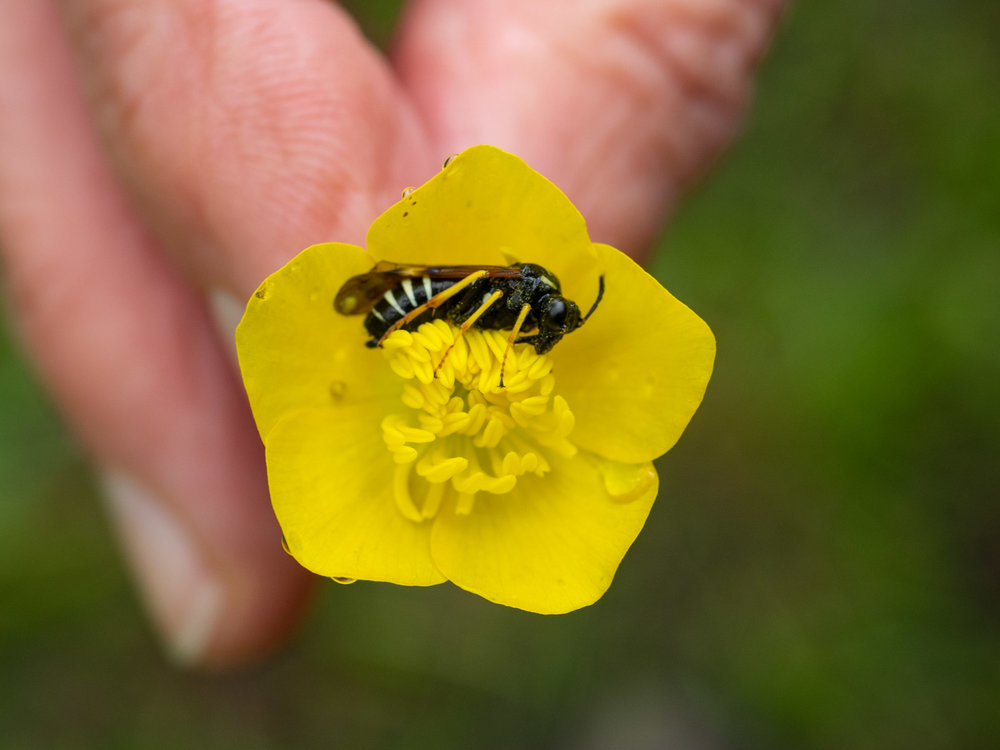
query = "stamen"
x=401 y=491
x=459 y=432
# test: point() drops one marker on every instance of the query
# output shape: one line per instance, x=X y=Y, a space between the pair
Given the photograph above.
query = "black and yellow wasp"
x=523 y=297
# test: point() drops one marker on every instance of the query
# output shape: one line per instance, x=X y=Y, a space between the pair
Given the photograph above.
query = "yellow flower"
x=528 y=494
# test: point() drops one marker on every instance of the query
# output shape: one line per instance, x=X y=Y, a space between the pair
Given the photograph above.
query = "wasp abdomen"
x=396 y=302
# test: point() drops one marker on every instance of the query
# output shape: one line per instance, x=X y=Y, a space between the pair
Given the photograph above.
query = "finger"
x=620 y=102
x=131 y=357
x=246 y=129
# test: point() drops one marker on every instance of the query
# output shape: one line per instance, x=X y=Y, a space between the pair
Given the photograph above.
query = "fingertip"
x=622 y=103
x=258 y=619
x=226 y=312
x=206 y=616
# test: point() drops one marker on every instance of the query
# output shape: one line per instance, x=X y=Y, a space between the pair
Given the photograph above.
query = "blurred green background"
x=822 y=569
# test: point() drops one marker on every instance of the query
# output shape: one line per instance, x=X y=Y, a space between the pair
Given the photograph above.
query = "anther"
x=461 y=435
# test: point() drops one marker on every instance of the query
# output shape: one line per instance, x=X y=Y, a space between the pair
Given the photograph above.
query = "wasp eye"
x=555 y=313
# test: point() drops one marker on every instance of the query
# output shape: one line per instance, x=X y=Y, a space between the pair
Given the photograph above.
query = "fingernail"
x=227 y=312
x=181 y=592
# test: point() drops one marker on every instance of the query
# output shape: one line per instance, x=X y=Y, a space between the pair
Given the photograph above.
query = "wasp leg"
x=525 y=309
x=533 y=339
x=434 y=302
x=467 y=324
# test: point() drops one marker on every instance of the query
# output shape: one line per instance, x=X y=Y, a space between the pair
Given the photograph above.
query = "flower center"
x=463 y=433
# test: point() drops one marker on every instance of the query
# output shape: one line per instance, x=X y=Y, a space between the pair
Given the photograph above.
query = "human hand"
x=160 y=158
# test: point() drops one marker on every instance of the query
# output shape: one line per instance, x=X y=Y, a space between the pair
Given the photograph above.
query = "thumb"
x=135 y=364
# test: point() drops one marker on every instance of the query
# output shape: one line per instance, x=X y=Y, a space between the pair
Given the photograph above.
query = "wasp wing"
x=460 y=272
x=360 y=293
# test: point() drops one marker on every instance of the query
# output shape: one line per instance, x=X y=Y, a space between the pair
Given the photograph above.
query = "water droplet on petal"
x=627 y=482
x=284 y=544
x=448 y=161
x=338 y=388
x=343 y=580
x=407 y=191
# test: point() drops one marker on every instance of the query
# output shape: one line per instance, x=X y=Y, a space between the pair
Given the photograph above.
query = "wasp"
x=523 y=297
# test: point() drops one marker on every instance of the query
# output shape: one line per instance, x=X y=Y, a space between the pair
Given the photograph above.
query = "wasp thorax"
x=461 y=432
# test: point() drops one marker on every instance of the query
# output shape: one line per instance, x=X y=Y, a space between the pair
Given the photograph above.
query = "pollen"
x=459 y=432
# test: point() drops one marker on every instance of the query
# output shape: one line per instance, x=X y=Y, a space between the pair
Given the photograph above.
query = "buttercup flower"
x=387 y=464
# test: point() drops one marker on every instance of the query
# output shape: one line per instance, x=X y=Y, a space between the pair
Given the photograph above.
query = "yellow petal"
x=635 y=373
x=553 y=544
x=486 y=207
x=331 y=486
x=295 y=350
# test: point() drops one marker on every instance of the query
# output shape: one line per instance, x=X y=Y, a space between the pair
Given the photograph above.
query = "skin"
x=161 y=157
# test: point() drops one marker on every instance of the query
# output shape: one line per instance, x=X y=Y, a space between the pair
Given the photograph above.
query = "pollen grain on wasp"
x=461 y=433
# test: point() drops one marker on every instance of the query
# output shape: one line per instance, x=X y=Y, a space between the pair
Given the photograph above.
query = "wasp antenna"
x=600 y=293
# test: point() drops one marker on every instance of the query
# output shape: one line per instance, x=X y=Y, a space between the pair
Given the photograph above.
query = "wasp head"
x=556 y=316
x=559 y=314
